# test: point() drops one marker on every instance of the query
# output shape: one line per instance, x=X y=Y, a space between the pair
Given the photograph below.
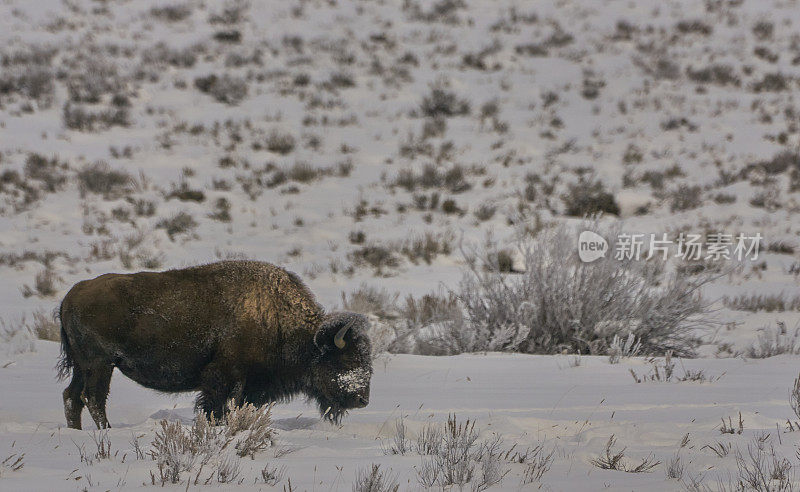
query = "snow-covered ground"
x=360 y=143
x=528 y=400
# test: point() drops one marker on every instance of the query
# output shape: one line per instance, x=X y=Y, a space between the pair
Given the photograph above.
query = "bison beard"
x=242 y=330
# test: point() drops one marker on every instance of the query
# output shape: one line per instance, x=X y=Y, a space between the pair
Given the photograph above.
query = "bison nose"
x=364 y=400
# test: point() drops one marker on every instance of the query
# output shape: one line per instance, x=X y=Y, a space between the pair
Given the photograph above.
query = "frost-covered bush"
x=562 y=304
x=429 y=439
x=400 y=444
x=775 y=341
x=433 y=325
x=555 y=303
x=15 y=338
x=620 y=348
x=381 y=307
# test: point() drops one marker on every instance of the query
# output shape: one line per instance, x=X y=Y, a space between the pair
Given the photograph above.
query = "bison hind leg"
x=95 y=392
x=73 y=403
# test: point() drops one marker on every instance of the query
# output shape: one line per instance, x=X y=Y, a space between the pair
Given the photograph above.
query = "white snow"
x=529 y=400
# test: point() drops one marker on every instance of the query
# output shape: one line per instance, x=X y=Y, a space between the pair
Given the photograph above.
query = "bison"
x=242 y=330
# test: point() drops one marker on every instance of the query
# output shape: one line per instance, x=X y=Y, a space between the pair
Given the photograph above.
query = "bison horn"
x=338 y=339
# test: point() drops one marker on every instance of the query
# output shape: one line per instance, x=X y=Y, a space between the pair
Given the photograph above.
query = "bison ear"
x=337 y=330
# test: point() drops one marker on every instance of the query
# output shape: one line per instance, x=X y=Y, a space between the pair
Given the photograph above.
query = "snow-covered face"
x=341 y=375
x=354 y=385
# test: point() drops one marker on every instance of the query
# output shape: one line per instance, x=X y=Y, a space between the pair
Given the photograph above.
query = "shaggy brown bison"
x=242 y=330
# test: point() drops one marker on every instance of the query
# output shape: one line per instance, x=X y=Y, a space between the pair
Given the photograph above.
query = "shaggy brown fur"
x=244 y=330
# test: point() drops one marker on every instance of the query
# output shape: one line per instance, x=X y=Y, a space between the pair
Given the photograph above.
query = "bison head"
x=342 y=368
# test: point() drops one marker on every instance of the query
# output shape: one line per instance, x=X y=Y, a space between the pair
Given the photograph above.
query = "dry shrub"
x=374 y=480
x=371 y=300
x=34 y=82
x=100 y=178
x=44 y=284
x=537 y=463
x=400 y=444
x=45 y=327
x=377 y=256
x=610 y=460
x=271 y=475
x=443 y=102
x=255 y=422
x=280 y=143
x=88 y=120
x=427 y=247
x=180 y=223
x=685 y=197
x=794 y=401
x=177 y=448
x=172 y=13
x=589 y=197
x=225 y=89
x=12 y=462
x=460 y=458
x=762 y=302
x=228 y=470
x=48 y=171
x=429 y=439
x=762 y=469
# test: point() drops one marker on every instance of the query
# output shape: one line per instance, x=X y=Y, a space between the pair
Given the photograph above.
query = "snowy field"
x=528 y=400
x=372 y=147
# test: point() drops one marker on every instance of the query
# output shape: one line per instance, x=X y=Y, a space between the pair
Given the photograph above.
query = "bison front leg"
x=73 y=404
x=218 y=386
x=95 y=392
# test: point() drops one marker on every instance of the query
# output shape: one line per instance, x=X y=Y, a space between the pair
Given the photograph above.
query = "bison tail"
x=65 y=362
